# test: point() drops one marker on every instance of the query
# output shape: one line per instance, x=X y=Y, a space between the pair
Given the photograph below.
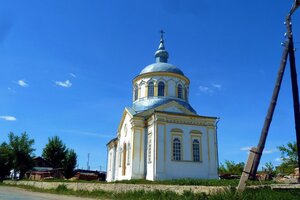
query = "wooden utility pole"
x=255 y=153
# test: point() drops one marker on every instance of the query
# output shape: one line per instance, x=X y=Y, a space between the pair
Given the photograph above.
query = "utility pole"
x=255 y=153
x=88 y=162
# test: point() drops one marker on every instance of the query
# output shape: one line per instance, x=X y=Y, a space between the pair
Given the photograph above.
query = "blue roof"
x=154 y=102
x=161 y=67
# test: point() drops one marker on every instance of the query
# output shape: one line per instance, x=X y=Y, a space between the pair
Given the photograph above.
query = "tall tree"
x=21 y=152
x=55 y=152
x=5 y=160
x=289 y=158
x=70 y=163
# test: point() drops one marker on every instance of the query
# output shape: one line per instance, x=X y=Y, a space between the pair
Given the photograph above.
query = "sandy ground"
x=14 y=193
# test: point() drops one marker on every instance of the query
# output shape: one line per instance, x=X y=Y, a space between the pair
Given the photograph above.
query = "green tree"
x=70 y=163
x=230 y=167
x=289 y=158
x=5 y=160
x=21 y=152
x=55 y=152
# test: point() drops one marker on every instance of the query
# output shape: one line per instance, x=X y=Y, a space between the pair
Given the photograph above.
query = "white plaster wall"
x=186 y=168
x=138 y=167
x=110 y=168
x=124 y=139
x=150 y=165
x=213 y=162
x=143 y=88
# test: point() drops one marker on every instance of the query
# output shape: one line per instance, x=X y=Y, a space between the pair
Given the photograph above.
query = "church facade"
x=161 y=136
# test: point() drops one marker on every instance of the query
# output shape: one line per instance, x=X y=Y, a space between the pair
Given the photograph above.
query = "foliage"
x=21 y=152
x=56 y=153
x=231 y=167
x=289 y=158
x=70 y=163
x=269 y=169
x=5 y=160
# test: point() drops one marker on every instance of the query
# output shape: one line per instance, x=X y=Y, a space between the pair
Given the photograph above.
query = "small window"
x=196 y=150
x=176 y=149
x=161 y=89
x=136 y=92
x=149 y=149
x=150 y=89
x=179 y=91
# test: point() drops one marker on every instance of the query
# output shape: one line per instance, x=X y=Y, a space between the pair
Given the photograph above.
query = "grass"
x=249 y=194
x=202 y=182
x=196 y=182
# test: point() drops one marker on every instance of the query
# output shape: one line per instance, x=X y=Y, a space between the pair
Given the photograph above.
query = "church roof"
x=152 y=103
x=161 y=65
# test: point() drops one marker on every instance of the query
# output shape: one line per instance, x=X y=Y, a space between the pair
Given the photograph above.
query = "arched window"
x=185 y=93
x=161 y=89
x=179 y=91
x=196 y=150
x=150 y=89
x=176 y=149
x=136 y=92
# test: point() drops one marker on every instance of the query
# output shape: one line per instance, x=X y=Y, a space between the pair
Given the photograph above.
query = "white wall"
x=166 y=168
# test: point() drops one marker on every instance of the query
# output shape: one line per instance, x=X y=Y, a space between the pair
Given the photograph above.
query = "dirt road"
x=14 y=193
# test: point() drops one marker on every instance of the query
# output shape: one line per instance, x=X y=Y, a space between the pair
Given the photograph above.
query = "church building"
x=161 y=136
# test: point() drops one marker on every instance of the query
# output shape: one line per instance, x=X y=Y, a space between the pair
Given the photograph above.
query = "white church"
x=161 y=136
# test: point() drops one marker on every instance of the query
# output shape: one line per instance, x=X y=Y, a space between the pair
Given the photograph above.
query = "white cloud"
x=22 y=83
x=210 y=89
x=278 y=159
x=8 y=118
x=73 y=75
x=205 y=89
x=270 y=151
x=12 y=90
x=245 y=148
x=218 y=86
x=65 y=84
x=87 y=133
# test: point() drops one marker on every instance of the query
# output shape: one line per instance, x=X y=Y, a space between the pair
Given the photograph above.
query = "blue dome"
x=161 y=67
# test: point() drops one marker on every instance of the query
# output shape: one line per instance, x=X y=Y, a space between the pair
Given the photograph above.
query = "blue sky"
x=66 y=68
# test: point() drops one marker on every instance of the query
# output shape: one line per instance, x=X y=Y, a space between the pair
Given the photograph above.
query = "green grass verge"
x=249 y=194
x=203 y=182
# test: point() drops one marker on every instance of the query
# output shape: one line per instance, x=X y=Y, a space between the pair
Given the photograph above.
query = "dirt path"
x=14 y=193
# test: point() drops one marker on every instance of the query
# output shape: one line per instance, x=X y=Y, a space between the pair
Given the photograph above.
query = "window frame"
x=136 y=92
x=150 y=87
x=196 y=135
x=179 y=91
x=177 y=133
x=196 y=151
x=161 y=89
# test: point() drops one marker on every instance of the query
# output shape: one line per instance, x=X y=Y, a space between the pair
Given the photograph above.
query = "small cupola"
x=161 y=55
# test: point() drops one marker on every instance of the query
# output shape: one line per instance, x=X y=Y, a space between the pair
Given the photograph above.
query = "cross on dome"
x=161 y=54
